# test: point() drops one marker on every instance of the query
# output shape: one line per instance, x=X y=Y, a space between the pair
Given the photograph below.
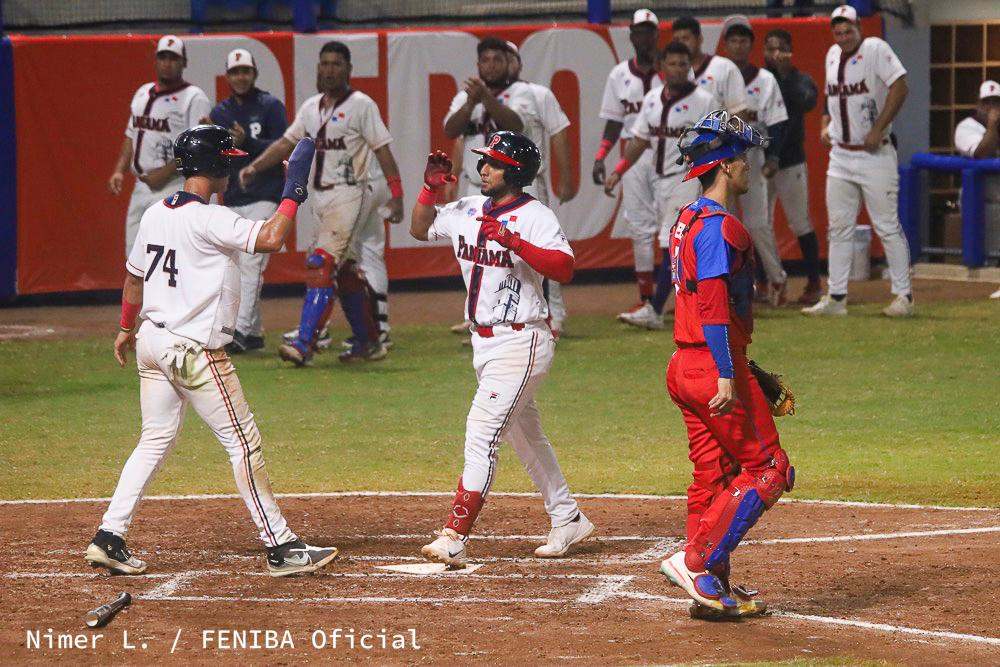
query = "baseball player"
x=978 y=136
x=740 y=469
x=627 y=85
x=506 y=243
x=766 y=113
x=348 y=131
x=666 y=112
x=714 y=73
x=865 y=88
x=159 y=112
x=791 y=182
x=182 y=275
x=256 y=120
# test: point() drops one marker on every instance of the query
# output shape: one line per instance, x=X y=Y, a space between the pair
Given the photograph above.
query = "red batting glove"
x=496 y=231
x=438 y=170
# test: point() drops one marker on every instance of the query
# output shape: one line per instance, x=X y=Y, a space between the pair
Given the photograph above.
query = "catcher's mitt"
x=780 y=397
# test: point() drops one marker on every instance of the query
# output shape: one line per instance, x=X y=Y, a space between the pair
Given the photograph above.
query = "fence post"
x=910 y=205
x=599 y=11
x=8 y=176
x=973 y=219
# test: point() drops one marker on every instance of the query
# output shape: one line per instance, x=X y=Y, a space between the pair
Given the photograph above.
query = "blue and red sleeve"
x=714 y=255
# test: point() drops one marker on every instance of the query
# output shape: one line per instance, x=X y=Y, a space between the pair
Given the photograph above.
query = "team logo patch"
x=471 y=211
x=681 y=107
x=494 y=396
x=494 y=141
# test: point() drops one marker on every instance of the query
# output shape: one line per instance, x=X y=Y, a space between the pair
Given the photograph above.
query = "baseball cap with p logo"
x=845 y=12
x=644 y=16
x=989 y=89
x=240 y=58
x=171 y=44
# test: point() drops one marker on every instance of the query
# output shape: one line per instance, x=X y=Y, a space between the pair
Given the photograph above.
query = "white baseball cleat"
x=448 y=548
x=995 y=295
x=704 y=587
x=900 y=307
x=562 y=538
x=643 y=316
x=323 y=338
x=827 y=306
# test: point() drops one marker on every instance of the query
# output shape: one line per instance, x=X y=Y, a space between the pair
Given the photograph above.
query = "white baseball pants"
x=371 y=239
x=673 y=194
x=175 y=371
x=639 y=207
x=851 y=177
x=248 y=320
x=141 y=199
x=510 y=366
x=756 y=219
x=340 y=212
x=791 y=186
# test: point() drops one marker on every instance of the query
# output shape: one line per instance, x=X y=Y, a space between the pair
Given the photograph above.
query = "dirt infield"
x=851 y=580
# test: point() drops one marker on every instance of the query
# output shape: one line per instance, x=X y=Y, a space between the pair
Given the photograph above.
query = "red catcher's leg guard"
x=320 y=269
x=734 y=512
x=465 y=510
x=644 y=280
x=358 y=297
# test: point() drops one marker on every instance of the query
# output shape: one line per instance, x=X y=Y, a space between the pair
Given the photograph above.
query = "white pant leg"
x=640 y=210
x=880 y=189
x=372 y=250
x=757 y=221
x=510 y=366
x=141 y=199
x=341 y=211
x=673 y=194
x=252 y=266
x=843 y=202
x=791 y=186
x=163 y=407
x=539 y=460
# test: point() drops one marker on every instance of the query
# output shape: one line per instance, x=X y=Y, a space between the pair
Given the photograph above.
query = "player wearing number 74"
x=183 y=274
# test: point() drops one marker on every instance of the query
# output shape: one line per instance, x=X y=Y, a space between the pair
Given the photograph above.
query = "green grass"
x=896 y=411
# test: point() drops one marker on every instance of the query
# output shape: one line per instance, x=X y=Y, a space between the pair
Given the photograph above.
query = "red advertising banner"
x=72 y=96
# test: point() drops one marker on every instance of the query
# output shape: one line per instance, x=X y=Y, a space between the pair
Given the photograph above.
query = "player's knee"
x=320 y=266
x=772 y=481
x=350 y=280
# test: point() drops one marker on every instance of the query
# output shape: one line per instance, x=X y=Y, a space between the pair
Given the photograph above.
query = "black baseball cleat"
x=108 y=550
x=297 y=557
x=244 y=343
x=372 y=352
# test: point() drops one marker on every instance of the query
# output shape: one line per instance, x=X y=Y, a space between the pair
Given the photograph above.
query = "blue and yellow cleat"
x=705 y=588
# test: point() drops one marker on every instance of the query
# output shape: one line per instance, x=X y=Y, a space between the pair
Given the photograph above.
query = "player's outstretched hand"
x=497 y=231
x=297 y=171
x=124 y=341
x=724 y=400
x=438 y=170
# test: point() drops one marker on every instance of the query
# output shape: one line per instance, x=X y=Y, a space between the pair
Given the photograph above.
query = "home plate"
x=429 y=568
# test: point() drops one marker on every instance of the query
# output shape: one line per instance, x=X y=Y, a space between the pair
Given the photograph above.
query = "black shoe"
x=108 y=550
x=371 y=352
x=251 y=343
x=238 y=346
x=297 y=557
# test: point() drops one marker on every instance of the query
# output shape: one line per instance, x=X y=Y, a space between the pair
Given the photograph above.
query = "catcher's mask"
x=716 y=137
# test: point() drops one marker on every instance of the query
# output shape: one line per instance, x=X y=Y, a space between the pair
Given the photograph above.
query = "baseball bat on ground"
x=98 y=617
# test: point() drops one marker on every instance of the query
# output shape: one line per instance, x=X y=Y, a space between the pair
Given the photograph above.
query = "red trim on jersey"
x=154 y=94
x=845 y=125
x=749 y=72
x=476 y=277
x=668 y=102
x=704 y=65
x=645 y=77
x=321 y=139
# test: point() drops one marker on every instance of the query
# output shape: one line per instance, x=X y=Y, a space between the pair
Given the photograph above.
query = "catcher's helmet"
x=518 y=154
x=205 y=150
x=716 y=137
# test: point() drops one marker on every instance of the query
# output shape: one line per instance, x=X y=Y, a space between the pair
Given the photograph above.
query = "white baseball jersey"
x=765 y=105
x=856 y=87
x=186 y=253
x=518 y=96
x=157 y=118
x=721 y=77
x=663 y=119
x=347 y=134
x=968 y=135
x=624 y=91
x=542 y=117
x=502 y=288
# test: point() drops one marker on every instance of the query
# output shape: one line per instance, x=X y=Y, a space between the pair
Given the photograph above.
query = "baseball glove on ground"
x=780 y=397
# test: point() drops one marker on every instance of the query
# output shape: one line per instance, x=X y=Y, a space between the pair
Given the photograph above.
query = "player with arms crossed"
x=506 y=243
x=865 y=88
x=348 y=131
x=740 y=469
x=628 y=83
x=667 y=111
x=159 y=112
x=183 y=274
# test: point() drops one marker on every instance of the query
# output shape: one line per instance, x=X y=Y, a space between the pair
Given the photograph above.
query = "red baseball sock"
x=644 y=280
x=464 y=510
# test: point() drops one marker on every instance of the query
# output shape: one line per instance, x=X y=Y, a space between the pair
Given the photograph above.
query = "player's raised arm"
x=436 y=175
x=272 y=235
x=274 y=154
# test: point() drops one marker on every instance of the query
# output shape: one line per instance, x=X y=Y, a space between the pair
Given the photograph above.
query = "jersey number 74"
x=169 y=265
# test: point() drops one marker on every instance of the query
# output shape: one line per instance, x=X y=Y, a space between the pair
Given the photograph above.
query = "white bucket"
x=861 y=263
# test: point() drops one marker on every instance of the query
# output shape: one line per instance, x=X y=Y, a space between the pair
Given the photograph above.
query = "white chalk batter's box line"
x=508 y=494
x=606 y=588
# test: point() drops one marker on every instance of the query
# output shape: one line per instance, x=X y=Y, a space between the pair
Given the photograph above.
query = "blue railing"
x=973 y=202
